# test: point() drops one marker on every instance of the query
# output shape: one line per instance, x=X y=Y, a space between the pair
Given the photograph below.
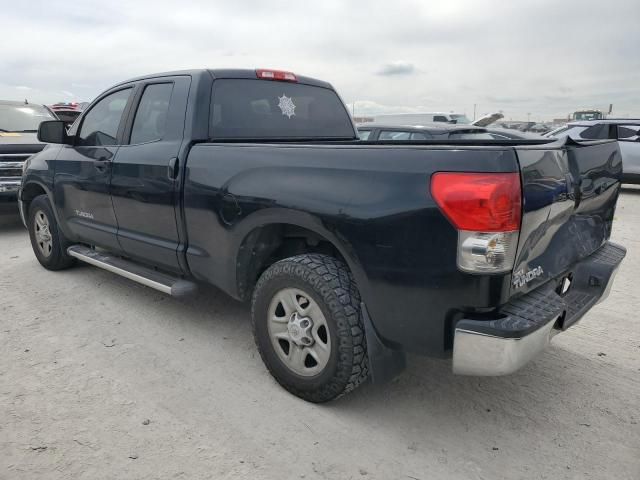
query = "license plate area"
x=564 y=284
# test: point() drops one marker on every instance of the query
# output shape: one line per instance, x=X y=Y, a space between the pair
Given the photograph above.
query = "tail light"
x=486 y=209
x=263 y=74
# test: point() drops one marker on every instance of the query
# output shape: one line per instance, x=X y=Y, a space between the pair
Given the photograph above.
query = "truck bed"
x=373 y=199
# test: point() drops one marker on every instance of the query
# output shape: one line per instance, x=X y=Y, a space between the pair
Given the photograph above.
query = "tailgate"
x=570 y=192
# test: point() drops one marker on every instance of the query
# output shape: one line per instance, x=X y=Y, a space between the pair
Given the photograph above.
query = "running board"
x=176 y=287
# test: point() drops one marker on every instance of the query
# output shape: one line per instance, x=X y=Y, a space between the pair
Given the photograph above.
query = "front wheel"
x=47 y=241
x=308 y=327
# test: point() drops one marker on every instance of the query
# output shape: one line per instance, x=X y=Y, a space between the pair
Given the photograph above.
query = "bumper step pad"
x=527 y=313
x=526 y=324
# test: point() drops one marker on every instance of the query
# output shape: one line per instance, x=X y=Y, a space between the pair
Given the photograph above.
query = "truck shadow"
x=427 y=395
x=631 y=189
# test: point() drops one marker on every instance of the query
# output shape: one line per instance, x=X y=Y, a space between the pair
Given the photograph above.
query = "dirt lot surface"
x=101 y=378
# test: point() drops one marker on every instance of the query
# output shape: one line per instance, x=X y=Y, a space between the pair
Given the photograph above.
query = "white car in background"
x=421 y=118
x=625 y=130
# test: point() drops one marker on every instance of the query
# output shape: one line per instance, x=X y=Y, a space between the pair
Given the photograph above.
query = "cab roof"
x=220 y=73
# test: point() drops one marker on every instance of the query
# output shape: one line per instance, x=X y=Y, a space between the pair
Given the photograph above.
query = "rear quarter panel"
x=372 y=203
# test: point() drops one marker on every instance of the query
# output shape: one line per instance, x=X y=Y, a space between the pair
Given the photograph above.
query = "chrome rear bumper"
x=526 y=325
x=480 y=354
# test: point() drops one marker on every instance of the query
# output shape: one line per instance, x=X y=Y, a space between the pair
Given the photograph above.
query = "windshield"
x=22 y=118
x=460 y=118
x=588 y=116
x=559 y=131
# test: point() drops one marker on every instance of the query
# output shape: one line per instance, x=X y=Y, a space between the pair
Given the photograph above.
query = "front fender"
x=40 y=173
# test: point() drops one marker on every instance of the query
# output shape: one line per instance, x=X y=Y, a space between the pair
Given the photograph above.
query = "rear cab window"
x=272 y=110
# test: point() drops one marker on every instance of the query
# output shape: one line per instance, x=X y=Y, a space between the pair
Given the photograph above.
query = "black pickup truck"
x=351 y=252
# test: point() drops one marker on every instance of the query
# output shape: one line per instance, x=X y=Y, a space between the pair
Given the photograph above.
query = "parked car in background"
x=421 y=118
x=625 y=130
x=511 y=134
x=19 y=122
x=438 y=131
x=433 y=131
x=67 y=112
x=540 y=128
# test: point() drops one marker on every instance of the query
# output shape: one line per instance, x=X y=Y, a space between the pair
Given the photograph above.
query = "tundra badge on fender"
x=80 y=213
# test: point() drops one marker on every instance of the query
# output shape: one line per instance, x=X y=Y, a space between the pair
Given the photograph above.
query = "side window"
x=498 y=136
x=150 y=122
x=100 y=124
x=391 y=135
x=419 y=136
x=440 y=118
x=596 y=132
x=364 y=134
x=629 y=133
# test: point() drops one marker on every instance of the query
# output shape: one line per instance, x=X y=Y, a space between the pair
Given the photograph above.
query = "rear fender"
x=282 y=216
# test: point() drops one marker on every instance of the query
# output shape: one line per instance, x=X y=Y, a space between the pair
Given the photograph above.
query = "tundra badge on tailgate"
x=521 y=278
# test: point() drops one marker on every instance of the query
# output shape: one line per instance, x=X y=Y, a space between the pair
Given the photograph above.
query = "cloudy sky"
x=546 y=58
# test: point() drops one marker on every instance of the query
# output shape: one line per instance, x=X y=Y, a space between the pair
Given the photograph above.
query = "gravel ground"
x=101 y=378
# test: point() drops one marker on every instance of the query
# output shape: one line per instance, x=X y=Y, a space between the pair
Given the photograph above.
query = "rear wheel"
x=48 y=243
x=308 y=327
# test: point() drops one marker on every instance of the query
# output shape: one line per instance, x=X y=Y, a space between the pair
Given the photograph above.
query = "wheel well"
x=266 y=245
x=29 y=192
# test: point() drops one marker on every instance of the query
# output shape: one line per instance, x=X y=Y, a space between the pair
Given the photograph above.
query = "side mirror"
x=52 y=131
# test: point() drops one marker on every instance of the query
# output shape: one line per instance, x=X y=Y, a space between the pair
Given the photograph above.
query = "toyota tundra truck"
x=352 y=253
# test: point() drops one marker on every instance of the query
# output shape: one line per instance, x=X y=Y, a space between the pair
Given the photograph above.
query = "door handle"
x=173 y=168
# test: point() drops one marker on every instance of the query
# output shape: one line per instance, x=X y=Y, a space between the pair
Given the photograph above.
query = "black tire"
x=330 y=284
x=55 y=256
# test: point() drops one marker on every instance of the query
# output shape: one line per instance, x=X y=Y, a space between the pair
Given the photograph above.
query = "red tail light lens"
x=276 y=75
x=480 y=202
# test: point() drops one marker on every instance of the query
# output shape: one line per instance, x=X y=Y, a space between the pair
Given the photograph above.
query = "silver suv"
x=625 y=130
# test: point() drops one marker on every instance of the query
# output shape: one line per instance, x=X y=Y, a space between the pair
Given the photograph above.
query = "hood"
x=488 y=119
x=18 y=138
x=20 y=143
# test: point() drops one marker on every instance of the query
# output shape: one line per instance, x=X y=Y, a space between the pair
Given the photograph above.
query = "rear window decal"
x=286 y=106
